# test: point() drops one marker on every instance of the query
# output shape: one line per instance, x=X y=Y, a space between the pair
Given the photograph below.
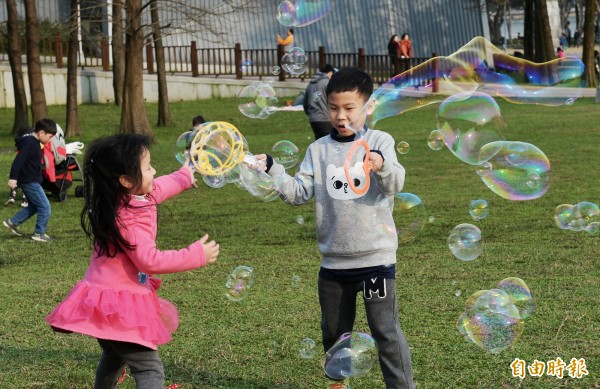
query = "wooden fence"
x=231 y=62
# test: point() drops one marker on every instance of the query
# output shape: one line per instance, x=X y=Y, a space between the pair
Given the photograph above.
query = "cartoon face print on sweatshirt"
x=337 y=184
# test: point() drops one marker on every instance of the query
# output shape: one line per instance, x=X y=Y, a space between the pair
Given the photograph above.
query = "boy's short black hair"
x=46 y=125
x=350 y=79
x=291 y=30
x=327 y=68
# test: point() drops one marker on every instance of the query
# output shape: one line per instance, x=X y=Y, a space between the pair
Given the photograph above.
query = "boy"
x=26 y=171
x=356 y=255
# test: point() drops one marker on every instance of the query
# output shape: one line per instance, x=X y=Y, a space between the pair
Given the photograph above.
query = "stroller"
x=60 y=163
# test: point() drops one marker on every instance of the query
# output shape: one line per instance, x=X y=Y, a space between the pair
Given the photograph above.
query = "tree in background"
x=591 y=10
x=73 y=127
x=537 y=35
x=133 y=111
x=164 y=112
x=16 y=67
x=118 y=51
x=39 y=109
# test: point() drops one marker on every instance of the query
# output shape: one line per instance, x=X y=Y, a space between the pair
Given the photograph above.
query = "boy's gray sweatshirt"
x=353 y=231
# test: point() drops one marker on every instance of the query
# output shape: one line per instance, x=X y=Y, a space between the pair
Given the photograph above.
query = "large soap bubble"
x=468 y=121
x=239 y=283
x=301 y=13
x=465 y=242
x=479 y=66
x=353 y=354
x=517 y=170
x=257 y=100
x=491 y=321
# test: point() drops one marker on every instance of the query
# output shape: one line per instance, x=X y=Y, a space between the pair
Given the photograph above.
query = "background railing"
x=221 y=62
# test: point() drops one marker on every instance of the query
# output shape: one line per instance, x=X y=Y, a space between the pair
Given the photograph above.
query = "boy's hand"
x=12 y=184
x=376 y=162
x=211 y=249
x=261 y=160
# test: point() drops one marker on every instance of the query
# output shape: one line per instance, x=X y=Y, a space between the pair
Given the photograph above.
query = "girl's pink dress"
x=117 y=299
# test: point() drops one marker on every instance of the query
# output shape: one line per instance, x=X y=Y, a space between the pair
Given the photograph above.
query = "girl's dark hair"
x=106 y=160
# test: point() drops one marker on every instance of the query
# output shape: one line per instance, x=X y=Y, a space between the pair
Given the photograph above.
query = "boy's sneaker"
x=14 y=229
x=11 y=198
x=41 y=238
x=25 y=203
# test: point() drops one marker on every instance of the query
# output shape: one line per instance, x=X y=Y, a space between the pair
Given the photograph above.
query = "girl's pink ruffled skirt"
x=141 y=318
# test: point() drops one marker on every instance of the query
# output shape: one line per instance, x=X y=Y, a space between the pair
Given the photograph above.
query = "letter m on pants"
x=374 y=286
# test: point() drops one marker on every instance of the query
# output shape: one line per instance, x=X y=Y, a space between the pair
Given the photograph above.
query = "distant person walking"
x=315 y=102
x=288 y=41
x=393 y=48
x=406 y=52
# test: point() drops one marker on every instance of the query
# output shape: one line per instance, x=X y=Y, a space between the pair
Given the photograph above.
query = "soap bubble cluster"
x=257 y=100
x=583 y=216
x=493 y=319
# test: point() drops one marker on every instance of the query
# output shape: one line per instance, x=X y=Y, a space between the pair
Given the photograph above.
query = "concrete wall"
x=96 y=87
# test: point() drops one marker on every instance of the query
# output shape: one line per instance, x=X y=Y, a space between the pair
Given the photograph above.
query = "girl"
x=117 y=302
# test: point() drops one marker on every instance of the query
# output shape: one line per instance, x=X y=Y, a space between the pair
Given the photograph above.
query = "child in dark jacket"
x=26 y=172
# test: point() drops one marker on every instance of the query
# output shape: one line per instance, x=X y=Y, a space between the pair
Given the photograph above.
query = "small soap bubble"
x=479 y=209
x=402 y=147
x=275 y=70
x=246 y=65
x=465 y=242
x=457 y=292
x=285 y=153
x=435 y=141
x=296 y=281
x=520 y=295
x=239 y=283
x=431 y=219
x=308 y=348
x=300 y=219
x=295 y=62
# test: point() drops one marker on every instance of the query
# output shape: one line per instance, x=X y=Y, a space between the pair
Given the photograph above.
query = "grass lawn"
x=255 y=343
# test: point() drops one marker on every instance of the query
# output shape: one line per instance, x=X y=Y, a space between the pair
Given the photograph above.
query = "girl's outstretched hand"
x=188 y=164
x=211 y=249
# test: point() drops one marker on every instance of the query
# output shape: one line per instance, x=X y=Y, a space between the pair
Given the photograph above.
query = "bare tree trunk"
x=73 y=127
x=118 y=52
x=545 y=50
x=14 y=57
x=588 y=44
x=164 y=113
x=39 y=109
x=528 y=29
x=134 y=118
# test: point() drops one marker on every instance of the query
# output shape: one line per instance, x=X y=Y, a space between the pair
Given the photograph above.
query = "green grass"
x=255 y=343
